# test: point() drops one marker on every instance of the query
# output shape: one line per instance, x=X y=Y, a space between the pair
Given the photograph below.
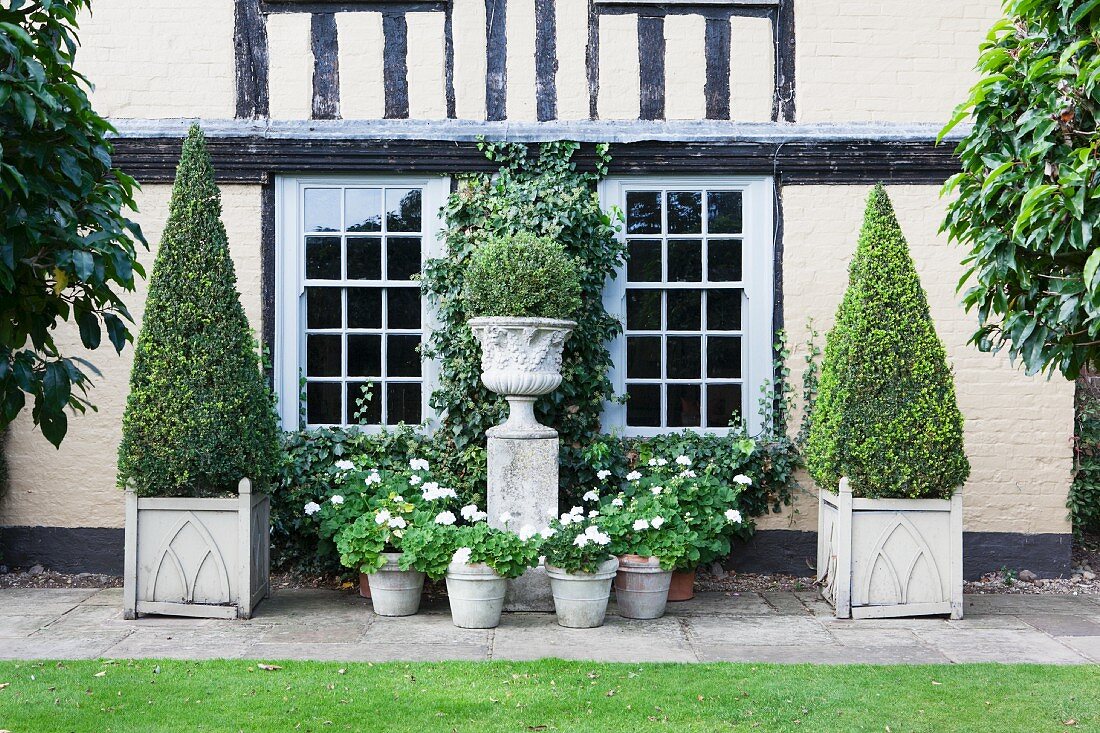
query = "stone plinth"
x=523 y=481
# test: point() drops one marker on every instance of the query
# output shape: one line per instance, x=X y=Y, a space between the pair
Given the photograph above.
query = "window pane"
x=643 y=310
x=724 y=212
x=723 y=310
x=403 y=403
x=685 y=212
x=685 y=260
x=402 y=257
x=724 y=357
x=643 y=212
x=364 y=307
x=323 y=307
x=403 y=308
x=323 y=403
x=322 y=210
x=644 y=264
x=364 y=258
x=723 y=403
x=683 y=310
x=364 y=355
x=643 y=405
x=322 y=258
x=370 y=411
x=363 y=210
x=403 y=210
x=643 y=357
x=323 y=355
x=683 y=357
x=401 y=357
x=683 y=406
x=724 y=260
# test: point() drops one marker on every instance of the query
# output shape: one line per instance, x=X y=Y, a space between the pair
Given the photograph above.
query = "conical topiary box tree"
x=199 y=425
x=886 y=441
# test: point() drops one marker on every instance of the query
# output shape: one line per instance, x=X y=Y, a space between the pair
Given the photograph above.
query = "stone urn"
x=521 y=359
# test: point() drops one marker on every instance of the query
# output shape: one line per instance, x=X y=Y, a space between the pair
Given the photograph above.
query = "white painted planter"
x=521 y=359
x=641 y=587
x=890 y=557
x=393 y=591
x=580 y=599
x=476 y=594
x=201 y=557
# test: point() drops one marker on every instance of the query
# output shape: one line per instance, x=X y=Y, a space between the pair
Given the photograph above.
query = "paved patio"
x=770 y=627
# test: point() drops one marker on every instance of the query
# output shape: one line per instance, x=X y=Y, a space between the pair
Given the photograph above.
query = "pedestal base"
x=523 y=481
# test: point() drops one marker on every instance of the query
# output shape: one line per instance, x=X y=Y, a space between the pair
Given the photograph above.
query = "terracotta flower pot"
x=364 y=585
x=683 y=586
x=641 y=587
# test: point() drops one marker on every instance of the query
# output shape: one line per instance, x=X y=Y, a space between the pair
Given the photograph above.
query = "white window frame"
x=290 y=301
x=758 y=273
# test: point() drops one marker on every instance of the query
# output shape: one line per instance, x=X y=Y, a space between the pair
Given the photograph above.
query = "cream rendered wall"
x=619 y=68
x=752 y=69
x=887 y=60
x=172 y=59
x=685 y=67
x=1018 y=428
x=75 y=486
x=362 y=91
x=520 y=59
x=426 y=66
x=468 y=31
x=290 y=70
x=571 y=81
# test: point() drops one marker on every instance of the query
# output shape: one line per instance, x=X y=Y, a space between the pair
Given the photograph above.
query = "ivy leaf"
x=1092 y=265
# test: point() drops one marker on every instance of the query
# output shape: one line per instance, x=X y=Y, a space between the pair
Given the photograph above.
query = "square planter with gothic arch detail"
x=201 y=557
x=890 y=557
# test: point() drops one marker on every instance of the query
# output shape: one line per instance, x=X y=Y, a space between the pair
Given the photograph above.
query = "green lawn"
x=149 y=696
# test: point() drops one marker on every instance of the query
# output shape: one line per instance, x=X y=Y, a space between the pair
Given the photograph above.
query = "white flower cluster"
x=732 y=515
x=446 y=518
x=683 y=461
x=643 y=524
x=471 y=513
x=337 y=499
x=591 y=496
x=657 y=490
x=602 y=474
x=373 y=477
x=431 y=491
x=526 y=532
x=394 y=522
x=742 y=479
x=592 y=534
x=418 y=464
x=312 y=508
x=687 y=473
x=414 y=480
x=345 y=465
x=576 y=514
x=462 y=555
x=617 y=501
x=633 y=476
x=658 y=461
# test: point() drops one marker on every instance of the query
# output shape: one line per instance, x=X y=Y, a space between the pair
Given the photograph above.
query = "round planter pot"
x=580 y=599
x=641 y=587
x=395 y=592
x=364 y=585
x=682 y=587
x=476 y=594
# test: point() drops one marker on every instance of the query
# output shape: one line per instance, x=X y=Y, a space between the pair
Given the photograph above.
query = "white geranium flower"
x=382 y=517
x=567 y=519
x=577 y=511
x=657 y=521
x=345 y=465
x=683 y=461
x=505 y=517
x=429 y=487
x=462 y=555
x=602 y=474
x=602 y=539
x=312 y=508
x=374 y=478
x=446 y=518
x=418 y=464
x=657 y=490
x=397 y=523
x=414 y=480
x=468 y=511
x=662 y=461
x=547 y=532
x=687 y=473
x=398 y=499
x=733 y=515
x=337 y=499
x=616 y=501
x=652 y=461
x=581 y=540
x=593 y=514
x=640 y=524
x=591 y=496
x=526 y=532
x=633 y=476
x=595 y=535
x=742 y=479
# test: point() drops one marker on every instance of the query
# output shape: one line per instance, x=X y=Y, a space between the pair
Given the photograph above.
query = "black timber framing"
x=783 y=35
x=716 y=90
x=395 y=64
x=592 y=61
x=546 y=60
x=651 y=67
x=251 y=59
x=326 y=66
x=449 y=62
x=351 y=6
x=244 y=159
x=496 y=59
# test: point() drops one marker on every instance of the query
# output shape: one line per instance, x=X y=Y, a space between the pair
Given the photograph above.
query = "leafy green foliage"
x=431 y=547
x=885 y=414
x=66 y=247
x=523 y=276
x=1084 y=494
x=650 y=525
x=199 y=415
x=546 y=196
x=576 y=543
x=1027 y=199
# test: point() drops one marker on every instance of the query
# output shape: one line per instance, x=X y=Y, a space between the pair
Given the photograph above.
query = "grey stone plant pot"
x=393 y=591
x=580 y=599
x=199 y=557
x=641 y=587
x=476 y=595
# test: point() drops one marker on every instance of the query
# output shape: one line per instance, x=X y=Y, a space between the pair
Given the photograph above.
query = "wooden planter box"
x=197 y=557
x=890 y=557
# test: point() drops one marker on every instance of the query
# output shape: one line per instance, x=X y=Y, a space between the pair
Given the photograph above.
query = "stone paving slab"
x=773 y=627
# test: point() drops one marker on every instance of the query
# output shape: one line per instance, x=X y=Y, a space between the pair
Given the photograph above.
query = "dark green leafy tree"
x=885 y=414
x=1027 y=198
x=199 y=415
x=66 y=247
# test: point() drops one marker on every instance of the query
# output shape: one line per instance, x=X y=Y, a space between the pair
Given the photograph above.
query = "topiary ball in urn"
x=522 y=290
